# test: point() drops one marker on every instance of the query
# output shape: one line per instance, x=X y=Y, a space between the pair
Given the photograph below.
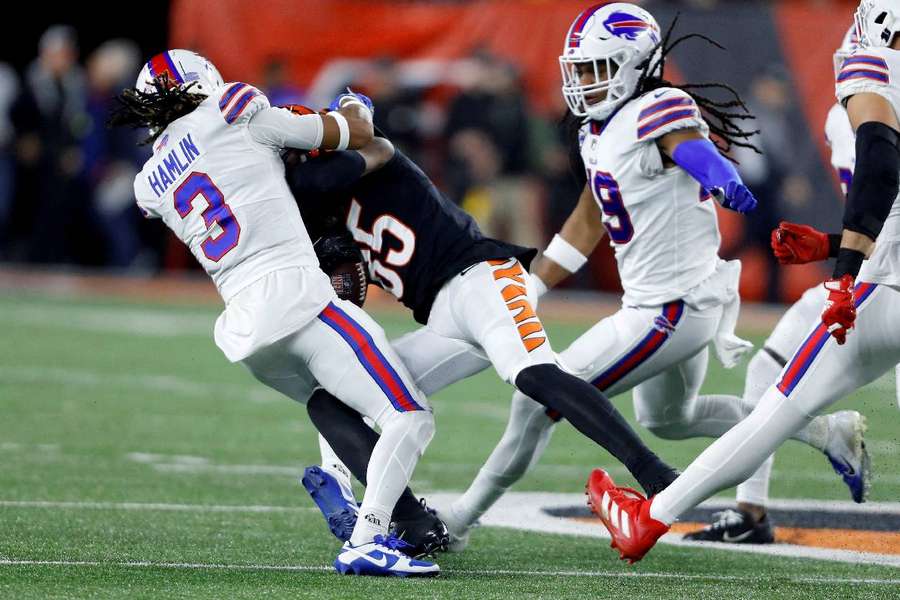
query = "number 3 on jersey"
x=373 y=243
x=606 y=191
x=216 y=213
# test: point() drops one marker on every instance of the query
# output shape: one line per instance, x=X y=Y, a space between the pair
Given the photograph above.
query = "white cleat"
x=846 y=451
x=382 y=557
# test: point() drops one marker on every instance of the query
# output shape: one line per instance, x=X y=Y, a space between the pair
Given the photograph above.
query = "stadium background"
x=136 y=462
x=469 y=89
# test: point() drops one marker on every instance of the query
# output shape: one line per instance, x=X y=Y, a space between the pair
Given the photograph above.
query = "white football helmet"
x=877 y=22
x=848 y=47
x=620 y=36
x=182 y=67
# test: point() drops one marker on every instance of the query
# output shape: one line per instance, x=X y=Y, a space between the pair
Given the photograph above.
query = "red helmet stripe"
x=162 y=64
x=580 y=22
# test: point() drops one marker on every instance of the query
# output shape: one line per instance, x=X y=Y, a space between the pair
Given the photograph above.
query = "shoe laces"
x=725 y=519
x=393 y=543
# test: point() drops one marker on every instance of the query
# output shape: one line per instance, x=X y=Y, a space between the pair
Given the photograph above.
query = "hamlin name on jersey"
x=876 y=71
x=661 y=225
x=222 y=191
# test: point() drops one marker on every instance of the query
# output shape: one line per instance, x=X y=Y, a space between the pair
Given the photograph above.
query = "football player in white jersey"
x=216 y=178
x=853 y=342
x=839 y=435
x=652 y=176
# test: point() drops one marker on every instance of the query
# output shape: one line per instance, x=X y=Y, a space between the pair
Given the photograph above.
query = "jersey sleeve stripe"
x=664 y=120
x=865 y=60
x=240 y=105
x=847 y=75
x=231 y=93
x=663 y=105
x=372 y=360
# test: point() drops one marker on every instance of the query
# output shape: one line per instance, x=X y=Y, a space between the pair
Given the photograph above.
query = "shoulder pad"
x=664 y=110
x=240 y=101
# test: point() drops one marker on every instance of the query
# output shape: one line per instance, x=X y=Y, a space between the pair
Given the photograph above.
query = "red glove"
x=795 y=244
x=839 y=314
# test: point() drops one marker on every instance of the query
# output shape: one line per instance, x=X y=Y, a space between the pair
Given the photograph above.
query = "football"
x=349 y=282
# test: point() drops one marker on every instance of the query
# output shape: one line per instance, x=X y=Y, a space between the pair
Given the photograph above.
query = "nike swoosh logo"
x=736 y=538
x=658 y=94
x=378 y=563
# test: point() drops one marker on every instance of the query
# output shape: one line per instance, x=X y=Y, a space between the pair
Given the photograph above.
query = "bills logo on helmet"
x=628 y=26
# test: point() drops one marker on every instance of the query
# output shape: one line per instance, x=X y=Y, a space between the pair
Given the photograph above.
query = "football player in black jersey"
x=472 y=294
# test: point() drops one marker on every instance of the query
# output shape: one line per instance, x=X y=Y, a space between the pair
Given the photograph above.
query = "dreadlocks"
x=154 y=110
x=723 y=117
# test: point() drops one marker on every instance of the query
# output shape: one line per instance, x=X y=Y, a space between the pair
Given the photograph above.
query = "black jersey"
x=412 y=238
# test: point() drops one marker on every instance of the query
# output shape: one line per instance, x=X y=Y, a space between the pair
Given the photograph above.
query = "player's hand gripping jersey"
x=877 y=71
x=661 y=224
x=217 y=180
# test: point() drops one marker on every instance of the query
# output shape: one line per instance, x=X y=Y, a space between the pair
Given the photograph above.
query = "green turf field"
x=146 y=444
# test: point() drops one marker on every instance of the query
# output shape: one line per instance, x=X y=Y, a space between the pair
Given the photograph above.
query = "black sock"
x=353 y=441
x=591 y=413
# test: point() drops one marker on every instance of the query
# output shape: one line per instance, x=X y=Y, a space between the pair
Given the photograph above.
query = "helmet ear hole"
x=880 y=18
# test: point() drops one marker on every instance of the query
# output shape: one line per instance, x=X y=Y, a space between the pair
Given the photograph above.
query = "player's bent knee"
x=677 y=430
x=419 y=425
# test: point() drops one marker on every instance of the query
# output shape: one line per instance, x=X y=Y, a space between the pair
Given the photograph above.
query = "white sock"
x=331 y=462
x=404 y=437
x=527 y=434
x=732 y=458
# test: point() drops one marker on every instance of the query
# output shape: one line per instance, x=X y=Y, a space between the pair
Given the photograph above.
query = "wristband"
x=848 y=261
x=540 y=288
x=565 y=254
x=343 y=128
x=834 y=244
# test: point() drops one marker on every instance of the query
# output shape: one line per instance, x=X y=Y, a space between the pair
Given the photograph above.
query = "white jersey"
x=663 y=228
x=877 y=71
x=842 y=141
x=223 y=193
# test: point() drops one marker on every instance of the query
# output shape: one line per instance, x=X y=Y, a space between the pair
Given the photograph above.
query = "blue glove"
x=336 y=103
x=736 y=196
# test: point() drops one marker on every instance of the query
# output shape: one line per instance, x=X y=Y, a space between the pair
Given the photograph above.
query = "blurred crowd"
x=66 y=179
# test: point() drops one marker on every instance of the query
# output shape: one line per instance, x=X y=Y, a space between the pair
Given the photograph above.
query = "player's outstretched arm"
x=570 y=248
x=876 y=181
x=693 y=152
x=337 y=171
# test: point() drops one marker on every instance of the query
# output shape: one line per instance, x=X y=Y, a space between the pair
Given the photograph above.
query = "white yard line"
x=486 y=572
x=524 y=511
x=151 y=506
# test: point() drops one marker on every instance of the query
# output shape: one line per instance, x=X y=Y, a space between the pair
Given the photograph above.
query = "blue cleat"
x=334 y=498
x=846 y=451
x=382 y=557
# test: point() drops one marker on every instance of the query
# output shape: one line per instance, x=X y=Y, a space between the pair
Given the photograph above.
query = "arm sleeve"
x=702 y=161
x=876 y=180
x=280 y=128
x=332 y=172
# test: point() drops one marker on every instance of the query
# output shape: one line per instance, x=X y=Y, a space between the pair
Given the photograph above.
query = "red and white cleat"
x=626 y=514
